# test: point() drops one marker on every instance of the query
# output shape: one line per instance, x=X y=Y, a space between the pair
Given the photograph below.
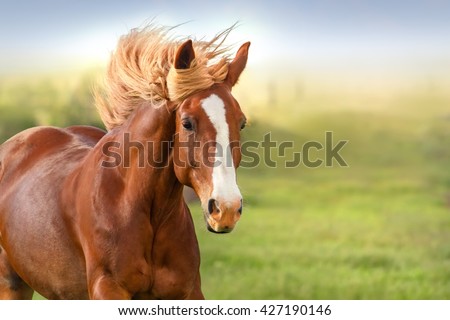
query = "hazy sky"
x=50 y=34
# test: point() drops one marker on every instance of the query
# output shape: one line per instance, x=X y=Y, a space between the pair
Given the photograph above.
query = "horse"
x=93 y=214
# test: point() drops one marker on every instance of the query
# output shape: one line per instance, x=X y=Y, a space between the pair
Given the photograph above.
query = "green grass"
x=331 y=240
x=378 y=229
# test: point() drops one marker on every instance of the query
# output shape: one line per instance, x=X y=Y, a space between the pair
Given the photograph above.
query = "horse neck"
x=147 y=161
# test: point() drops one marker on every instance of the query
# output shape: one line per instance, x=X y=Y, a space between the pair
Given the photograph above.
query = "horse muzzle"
x=222 y=216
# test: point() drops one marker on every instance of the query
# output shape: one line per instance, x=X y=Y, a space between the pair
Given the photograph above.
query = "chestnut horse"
x=86 y=214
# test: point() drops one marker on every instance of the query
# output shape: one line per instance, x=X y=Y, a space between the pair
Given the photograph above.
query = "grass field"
x=378 y=229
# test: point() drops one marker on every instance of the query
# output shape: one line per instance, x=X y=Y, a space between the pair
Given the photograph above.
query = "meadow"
x=376 y=229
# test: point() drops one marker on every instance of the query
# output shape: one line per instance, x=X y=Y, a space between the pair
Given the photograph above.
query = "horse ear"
x=237 y=65
x=184 y=56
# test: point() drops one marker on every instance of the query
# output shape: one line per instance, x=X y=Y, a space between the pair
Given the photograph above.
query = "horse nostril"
x=211 y=205
x=240 y=208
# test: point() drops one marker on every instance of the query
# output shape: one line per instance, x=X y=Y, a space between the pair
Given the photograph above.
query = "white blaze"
x=224 y=173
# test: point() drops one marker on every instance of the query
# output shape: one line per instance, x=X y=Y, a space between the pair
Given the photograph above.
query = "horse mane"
x=141 y=69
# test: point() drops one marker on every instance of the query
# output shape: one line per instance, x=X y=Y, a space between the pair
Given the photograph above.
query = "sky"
x=320 y=35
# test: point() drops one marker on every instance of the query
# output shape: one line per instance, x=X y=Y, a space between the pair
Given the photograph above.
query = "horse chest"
x=175 y=267
x=172 y=284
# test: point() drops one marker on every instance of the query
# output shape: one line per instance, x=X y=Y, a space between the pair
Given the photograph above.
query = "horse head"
x=207 y=142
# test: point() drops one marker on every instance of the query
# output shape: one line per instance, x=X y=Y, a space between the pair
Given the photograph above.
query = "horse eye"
x=243 y=125
x=187 y=124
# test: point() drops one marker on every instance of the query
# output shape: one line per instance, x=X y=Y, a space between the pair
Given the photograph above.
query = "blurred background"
x=375 y=73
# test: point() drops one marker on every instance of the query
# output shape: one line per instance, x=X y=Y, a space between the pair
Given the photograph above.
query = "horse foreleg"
x=103 y=287
x=11 y=285
x=196 y=293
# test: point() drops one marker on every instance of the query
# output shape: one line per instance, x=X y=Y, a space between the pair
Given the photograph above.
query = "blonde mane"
x=141 y=69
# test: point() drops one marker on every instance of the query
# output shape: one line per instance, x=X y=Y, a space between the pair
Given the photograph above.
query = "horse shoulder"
x=99 y=217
